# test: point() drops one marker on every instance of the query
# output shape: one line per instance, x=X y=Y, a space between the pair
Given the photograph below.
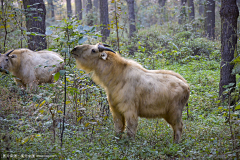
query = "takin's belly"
x=152 y=112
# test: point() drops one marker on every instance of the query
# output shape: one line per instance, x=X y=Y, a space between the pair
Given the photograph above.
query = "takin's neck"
x=109 y=72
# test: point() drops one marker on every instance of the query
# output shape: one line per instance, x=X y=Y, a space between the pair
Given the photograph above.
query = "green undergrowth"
x=27 y=123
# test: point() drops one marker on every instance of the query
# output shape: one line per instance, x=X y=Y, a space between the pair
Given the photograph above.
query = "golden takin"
x=134 y=91
x=31 y=68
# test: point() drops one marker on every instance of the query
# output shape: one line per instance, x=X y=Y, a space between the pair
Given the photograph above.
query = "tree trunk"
x=35 y=22
x=131 y=17
x=96 y=4
x=50 y=3
x=162 y=10
x=69 y=9
x=209 y=14
x=89 y=6
x=201 y=7
x=78 y=9
x=191 y=10
x=104 y=19
x=229 y=14
x=182 y=18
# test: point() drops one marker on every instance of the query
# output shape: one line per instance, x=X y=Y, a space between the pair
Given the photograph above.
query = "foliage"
x=31 y=122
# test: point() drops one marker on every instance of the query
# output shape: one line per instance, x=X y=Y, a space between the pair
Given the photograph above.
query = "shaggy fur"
x=134 y=91
x=32 y=68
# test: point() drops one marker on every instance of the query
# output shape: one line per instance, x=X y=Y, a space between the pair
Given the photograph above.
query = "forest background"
x=71 y=119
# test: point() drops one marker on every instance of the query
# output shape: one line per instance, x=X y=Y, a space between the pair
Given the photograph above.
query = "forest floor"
x=26 y=124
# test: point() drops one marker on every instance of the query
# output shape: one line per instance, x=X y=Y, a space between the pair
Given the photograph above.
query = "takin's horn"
x=106 y=45
x=7 y=54
x=102 y=48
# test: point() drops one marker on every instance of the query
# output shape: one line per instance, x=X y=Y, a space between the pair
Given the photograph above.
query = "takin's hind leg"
x=175 y=120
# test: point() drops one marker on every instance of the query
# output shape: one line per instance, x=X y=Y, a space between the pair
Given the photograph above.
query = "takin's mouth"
x=4 y=71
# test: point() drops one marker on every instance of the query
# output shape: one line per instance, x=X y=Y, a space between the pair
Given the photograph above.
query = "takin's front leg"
x=119 y=123
x=131 y=118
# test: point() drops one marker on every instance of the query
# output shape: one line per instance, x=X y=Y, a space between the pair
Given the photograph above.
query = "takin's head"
x=5 y=61
x=87 y=56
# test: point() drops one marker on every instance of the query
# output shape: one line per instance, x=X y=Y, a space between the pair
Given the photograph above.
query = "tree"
x=131 y=17
x=182 y=17
x=191 y=10
x=162 y=10
x=89 y=6
x=201 y=7
x=69 y=8
x=89 y=13
x=78 y=9
x=50 y=3
x=104 y=19
x=209 y=14
x=35 y=23
x=229 y=14
x=96 y=4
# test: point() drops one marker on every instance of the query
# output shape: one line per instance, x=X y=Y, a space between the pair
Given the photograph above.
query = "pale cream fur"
x=134 y=91
x=32 y=68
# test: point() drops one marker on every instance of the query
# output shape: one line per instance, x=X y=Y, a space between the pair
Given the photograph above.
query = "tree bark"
x=229 y=14
x=191 y=11
x=182 y=18
x=209 y=14
x=50 y=3
x=89 y=6
x=104 y=19
x=131 y=17
x=35 y=23
x=96 y=4
x=69 y=9
x=201 y=7
x=162 y=10
x=78 y=9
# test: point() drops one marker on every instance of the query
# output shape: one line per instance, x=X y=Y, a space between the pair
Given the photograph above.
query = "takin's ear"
x=103 y=55
x=13 y=56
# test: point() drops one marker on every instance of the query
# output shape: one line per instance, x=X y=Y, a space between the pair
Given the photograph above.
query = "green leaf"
x=56 y=76
x=237 y=107
x=48 y=32
x=25 y=140
x=80 y=28
x=62 y=72
x=82 y=40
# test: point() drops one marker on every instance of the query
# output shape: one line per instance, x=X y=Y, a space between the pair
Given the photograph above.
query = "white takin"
x=31 y=68
x=134 y=91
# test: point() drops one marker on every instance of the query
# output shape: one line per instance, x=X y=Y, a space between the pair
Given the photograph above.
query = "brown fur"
x=134 y=91
x=32 y=68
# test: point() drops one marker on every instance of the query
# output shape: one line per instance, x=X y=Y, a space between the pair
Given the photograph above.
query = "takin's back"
x=151 y=92
x=35 y=66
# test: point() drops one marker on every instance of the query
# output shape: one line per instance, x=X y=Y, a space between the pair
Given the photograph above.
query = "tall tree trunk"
x=162 y=10
x=35 y=22
x=69 y=8
x=89 y=13
x=191 y=10
x=50 y=3
x=209 y=14
x=104 y=19
x=131 y=17
x=78 y=9
x=89 y=6
x=96 y=4
x=182 y=18
x=229 y=14
x=201 y=7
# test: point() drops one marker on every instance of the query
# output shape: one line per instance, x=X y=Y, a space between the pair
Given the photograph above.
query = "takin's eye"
x=93 y=50
x=7 y=59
